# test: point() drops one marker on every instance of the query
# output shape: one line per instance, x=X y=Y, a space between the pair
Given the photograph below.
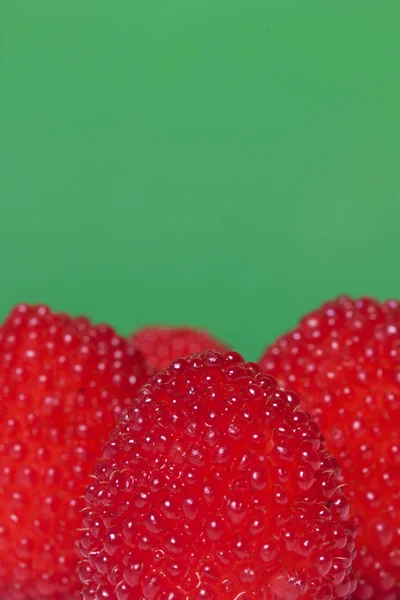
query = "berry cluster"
x=63 y=384
x=344 y=361
x=165 y=467
x=161 y=345
x=215 y=485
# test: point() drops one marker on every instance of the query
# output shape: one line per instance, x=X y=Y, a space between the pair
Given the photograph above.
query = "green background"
x=225 y=163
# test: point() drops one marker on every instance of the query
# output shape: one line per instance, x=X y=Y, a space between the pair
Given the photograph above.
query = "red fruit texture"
x=215 y=486
x=63 y=383
x=162 y=345
x=344 y=361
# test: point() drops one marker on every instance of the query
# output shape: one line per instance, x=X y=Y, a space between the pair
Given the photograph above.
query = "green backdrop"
x=225 y=163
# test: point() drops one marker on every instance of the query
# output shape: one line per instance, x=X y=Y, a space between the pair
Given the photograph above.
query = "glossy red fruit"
x=215 y=486
x=344 y=360
x=161 y=345
x=63 y=383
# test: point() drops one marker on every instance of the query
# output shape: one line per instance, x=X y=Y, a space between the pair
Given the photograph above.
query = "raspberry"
x=161 y=345
x=63 y=382
x=215 y=486
x=344 y=361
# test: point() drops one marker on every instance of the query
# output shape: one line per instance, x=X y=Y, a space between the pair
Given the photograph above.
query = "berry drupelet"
x=216 y=486
x=344 y=361
x=63 y=383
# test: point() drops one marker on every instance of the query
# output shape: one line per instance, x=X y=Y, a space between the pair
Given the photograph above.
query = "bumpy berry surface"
x=63 y=382
x=344 y=360
x=215 y=486
x=161 y=345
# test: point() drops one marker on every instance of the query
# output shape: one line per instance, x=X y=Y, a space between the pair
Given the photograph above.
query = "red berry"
x=63 y=382
x=344 y=361
x=214 y=485
x=161 y=345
